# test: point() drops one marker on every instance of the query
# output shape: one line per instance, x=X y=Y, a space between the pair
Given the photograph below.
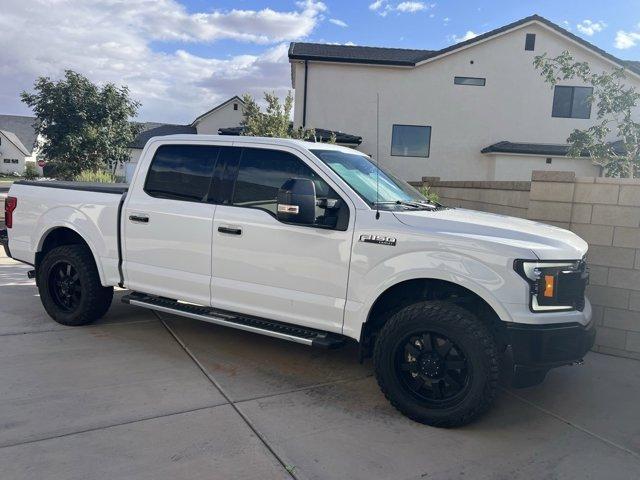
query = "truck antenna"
x=377 y=155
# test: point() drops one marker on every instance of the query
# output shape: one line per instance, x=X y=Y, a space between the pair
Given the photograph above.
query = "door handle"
x=139 y=218
x=230 y=230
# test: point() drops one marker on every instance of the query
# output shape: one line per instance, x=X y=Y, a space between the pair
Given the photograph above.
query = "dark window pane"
x=410 y=141
x=581 y=102
x=562 y=101
x=530 y=42
x=261 y=174
x=181 y=172
x=572 y=102
x=478 y=82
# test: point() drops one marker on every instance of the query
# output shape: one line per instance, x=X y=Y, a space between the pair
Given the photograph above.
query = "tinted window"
x=478 y=82
x=572 y=102
x=181 y=172
x=410 y=141
x=261 y=174
x=530 y=42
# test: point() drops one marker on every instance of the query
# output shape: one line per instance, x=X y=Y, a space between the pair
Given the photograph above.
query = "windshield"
x=383 y=188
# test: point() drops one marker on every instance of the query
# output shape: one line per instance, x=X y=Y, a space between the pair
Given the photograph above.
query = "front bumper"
x=538 y=348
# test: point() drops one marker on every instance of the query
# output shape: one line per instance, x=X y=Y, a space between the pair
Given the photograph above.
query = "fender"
x=455 y=268
x=77 y=221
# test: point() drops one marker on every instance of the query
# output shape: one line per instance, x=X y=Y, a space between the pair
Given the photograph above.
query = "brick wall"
x=605 y=212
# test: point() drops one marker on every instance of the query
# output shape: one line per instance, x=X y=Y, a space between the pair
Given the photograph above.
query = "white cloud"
x=338 y=22
x=589 y=28
x=411 y=7
x=625 y=40
x=114 y=41
x=467 y=36
x=383 y=7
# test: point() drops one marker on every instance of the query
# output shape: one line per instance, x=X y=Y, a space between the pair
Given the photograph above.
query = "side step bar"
x=271 y=328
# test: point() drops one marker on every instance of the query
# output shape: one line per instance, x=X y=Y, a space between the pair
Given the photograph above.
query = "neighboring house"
x=477 y=110
x=18 y=143
x=227 y=114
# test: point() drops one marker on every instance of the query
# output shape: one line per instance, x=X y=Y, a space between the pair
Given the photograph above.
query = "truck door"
x=282 y=271
x=167 y=223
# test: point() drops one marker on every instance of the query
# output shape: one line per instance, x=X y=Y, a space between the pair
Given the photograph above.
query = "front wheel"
x=70 y=288
x=437 y=364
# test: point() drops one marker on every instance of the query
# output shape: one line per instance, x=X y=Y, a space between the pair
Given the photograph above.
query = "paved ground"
x=136 y=397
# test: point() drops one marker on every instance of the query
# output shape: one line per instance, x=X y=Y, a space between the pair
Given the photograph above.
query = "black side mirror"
x=297 y=201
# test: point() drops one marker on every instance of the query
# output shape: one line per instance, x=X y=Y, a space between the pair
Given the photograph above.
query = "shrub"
x=100 y=176
x=429 y=194
x=31 y=171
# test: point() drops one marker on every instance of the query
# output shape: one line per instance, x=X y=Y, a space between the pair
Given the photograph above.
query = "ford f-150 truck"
x=314 y=243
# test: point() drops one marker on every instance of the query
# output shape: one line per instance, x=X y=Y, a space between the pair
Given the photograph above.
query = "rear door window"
x=182 y=172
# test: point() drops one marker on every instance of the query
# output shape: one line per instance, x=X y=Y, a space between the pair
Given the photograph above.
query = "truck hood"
x=547 y=242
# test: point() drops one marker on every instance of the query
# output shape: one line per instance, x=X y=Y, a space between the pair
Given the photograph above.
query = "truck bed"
x=117 y=188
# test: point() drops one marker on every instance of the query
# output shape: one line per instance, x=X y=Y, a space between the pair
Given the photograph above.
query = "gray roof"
x=22 y=127
x=548 y=149
x=153 y=129
x=406 y=57
x=13 y=138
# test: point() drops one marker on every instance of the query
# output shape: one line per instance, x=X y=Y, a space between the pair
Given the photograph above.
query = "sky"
x=180 y=58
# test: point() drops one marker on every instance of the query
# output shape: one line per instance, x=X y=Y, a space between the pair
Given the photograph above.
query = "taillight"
x=10 y=204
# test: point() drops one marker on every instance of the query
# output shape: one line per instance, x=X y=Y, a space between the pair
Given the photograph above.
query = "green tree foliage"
x=614 y=102
x=30 y=171
x=84 y=126
x=275 y=121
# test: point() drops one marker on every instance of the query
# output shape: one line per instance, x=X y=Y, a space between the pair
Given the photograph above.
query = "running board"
x=271 y=328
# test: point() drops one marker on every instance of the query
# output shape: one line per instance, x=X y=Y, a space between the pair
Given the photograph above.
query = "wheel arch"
x=59 y=235
x=408 y=291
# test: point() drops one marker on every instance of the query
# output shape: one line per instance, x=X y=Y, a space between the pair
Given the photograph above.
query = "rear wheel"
x=70 y=288
x=437 y=364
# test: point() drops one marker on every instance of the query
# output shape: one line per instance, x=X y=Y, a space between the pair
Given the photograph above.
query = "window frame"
x=207 y=197
x=530 y=41
x=393 y=125
x=228 y=199
x=457 y=77
x=573 y=91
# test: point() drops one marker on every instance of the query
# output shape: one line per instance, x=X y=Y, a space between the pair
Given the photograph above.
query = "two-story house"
x=477 y=110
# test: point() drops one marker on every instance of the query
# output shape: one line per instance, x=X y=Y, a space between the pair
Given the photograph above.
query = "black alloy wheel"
x=433 y=368
x=65 y=286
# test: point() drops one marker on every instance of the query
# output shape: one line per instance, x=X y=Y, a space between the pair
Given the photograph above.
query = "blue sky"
x=181 y=57
x=435 y=26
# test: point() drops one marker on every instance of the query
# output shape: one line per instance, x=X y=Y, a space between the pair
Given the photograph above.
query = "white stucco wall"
x=514 y=105
x=8 y=151
x=519 y=167
x=224 y=116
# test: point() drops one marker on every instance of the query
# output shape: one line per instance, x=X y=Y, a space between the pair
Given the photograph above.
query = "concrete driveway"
x=134 y=396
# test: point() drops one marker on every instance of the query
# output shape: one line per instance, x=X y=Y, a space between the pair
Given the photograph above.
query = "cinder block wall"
x=504 y=197
x=605 y=212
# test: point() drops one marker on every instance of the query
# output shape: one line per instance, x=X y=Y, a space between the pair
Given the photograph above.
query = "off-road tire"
x=95 y=299
x=463 y=328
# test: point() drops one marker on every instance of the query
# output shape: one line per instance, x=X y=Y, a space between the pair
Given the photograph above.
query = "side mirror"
x=297 y=201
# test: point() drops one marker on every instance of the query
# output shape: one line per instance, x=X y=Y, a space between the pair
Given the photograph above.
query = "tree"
x=615 y=103
x=84 y=126
x=276 y=121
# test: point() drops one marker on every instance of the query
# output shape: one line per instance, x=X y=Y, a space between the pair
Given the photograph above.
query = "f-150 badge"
x=379 y=239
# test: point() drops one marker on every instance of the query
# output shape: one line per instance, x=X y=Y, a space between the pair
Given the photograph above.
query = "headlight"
x=554 y=286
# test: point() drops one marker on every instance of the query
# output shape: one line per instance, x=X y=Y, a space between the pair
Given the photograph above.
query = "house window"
x=410 y=141
x=235 y=106
x=530 y=42
x=572 y=102
x=7 y=160
x=478 y=82
x=14 y=160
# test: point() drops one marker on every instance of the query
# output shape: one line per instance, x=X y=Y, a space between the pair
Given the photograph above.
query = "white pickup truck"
x=314 y=244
